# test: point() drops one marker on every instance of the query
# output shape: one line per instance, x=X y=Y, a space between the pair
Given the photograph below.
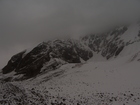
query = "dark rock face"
x=71 y=51
x=13 y=63
x=33 y=61
x=30 y=64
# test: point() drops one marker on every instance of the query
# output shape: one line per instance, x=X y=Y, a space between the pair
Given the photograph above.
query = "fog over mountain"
x=96 y=69
x=69 y=52
x=26 y=23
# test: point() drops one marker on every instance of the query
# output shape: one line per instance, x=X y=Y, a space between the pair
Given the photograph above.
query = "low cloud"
x=24 y=23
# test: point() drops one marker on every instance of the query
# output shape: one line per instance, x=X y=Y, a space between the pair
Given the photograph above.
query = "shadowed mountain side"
x=30 y=64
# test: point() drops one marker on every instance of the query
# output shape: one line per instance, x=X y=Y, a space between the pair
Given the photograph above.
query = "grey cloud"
x=24 y=23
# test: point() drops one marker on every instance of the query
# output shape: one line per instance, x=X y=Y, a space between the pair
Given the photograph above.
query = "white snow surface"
x=112 y=82
x=131 y=34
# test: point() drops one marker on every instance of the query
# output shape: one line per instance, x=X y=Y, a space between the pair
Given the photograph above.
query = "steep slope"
x=58 y=52
x=110 y=44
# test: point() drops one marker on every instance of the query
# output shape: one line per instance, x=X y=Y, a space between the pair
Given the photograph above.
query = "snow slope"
x=112 y=82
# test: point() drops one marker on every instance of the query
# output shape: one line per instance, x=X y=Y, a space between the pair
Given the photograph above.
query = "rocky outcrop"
x=111 y=43
x=30 y=64
x=13 y=63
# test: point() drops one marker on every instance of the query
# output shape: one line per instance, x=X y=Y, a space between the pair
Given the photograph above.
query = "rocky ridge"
x=58 y=52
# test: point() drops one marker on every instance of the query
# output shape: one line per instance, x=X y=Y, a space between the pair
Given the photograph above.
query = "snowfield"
x=112 y=82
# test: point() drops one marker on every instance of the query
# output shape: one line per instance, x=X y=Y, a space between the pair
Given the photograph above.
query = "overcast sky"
x=24 y=23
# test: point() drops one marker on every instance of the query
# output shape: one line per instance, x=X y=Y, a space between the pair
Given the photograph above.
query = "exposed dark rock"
x=139 y=34
x=30 y=64
x=13 y=63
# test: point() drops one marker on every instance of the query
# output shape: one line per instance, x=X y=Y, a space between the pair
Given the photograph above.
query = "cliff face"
x=30 y=64
x=13 y=63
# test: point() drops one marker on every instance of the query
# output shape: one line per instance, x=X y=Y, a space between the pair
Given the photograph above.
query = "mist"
x=25 y=23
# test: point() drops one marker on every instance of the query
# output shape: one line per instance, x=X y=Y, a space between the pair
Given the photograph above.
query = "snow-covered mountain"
x=110 y=44
x=98 y=69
